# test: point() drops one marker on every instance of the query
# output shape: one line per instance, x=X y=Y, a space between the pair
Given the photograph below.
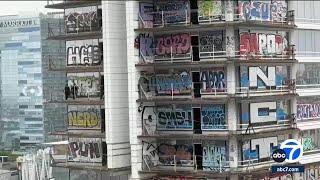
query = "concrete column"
x=229 y=10
x=232 y=115
x=294 y=105
x=294 y=69
x=230 y=42
x=233 y=152
x=116 y=84
x=135 y=128
x=231 y=78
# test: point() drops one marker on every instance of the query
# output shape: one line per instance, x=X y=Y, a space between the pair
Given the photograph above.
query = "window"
x=33 y=119
x=38 y=106
x=23 y=106
x=35 y=125
x=24 y=138
x=25 y=62
x=33 y=131
x=22 y=82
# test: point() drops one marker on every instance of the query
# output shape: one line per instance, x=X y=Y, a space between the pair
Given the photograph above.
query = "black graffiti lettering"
x=85 y=149
x=84 y=55
x=94 y=150
x=84 y=22
x=150 y=150
x=74 y=148
x=180 y=117
x=84 y=87
x=162 y=119
x=172 y=118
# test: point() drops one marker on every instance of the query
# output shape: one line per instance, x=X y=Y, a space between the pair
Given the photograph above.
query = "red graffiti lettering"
x=261 y=44
x=248 y=43
x=175 y=44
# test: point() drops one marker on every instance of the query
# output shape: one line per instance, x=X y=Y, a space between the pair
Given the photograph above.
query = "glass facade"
x=22 y=107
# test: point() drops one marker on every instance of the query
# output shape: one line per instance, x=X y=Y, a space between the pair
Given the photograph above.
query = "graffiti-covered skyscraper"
x=212 y=90
x=95 y=92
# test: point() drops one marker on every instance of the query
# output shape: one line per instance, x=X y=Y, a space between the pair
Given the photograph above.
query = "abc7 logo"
x=290 y=151
x=279 y=155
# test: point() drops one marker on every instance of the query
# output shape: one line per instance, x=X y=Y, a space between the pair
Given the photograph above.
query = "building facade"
x=212 y=87
x=21 y=82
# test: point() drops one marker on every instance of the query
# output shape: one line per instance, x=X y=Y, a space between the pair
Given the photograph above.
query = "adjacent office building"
x=21 y=82
x=25 y=55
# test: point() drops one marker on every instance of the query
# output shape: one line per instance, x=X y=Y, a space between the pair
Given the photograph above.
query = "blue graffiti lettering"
x=213 y=117
x=214 y=80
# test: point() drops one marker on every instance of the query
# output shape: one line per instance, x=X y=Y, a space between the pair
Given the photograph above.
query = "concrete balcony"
x=161 y=21
x=181 y=92
x=274 y=127
x=287 y=56
x=288 y=87
x=71 y=29
x=310 y=157
x=194 y=166
x=60 y=66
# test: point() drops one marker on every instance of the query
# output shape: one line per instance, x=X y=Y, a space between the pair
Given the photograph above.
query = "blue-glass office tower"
x=22 y=112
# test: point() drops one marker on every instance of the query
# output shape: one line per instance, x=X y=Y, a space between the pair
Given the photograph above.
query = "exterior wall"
x=305 y=11
x=53 y=81
x=132 y=7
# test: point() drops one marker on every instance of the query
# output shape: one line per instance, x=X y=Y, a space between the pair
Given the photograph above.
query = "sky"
x=14 y=7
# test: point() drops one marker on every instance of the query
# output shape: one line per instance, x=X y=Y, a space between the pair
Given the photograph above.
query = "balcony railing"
x=289 y=19
x=169 y=56
x=254 y=164
x=66 y=160
x=210 y=54
x=246 y=128
x=77 y=27
x=288 y=87
x=180 y=90
x=89 y=97
x=154 y=130
x=188 y=89
x=210 y=18
x=172 y=55
x=163 y=18
x=287 y=54
x=177 y=163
